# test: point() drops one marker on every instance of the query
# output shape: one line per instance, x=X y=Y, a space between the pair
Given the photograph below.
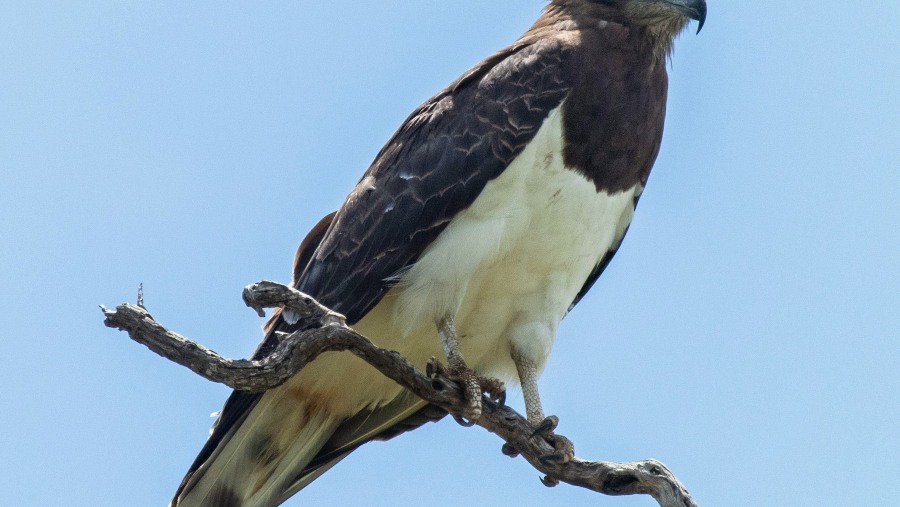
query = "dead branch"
x=327 y=331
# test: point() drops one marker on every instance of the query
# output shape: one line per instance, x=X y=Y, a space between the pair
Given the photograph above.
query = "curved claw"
x=493 y=389
x=546 y=426
x=462 y=421
x=565 y=449
x=509 y=450
x=557 y=458
x=550 y=482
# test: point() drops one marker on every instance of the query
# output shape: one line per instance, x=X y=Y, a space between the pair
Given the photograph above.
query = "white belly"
x=507 y=269
x=509 y=266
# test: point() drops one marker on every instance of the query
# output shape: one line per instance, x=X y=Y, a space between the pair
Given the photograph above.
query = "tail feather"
x=273 y=484
x=255 y=463
x=378 y=424
x=266 y=447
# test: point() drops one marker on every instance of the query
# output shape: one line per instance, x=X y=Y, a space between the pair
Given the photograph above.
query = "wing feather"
x=433 y=168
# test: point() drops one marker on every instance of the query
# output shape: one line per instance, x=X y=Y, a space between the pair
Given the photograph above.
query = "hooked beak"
x=694 y=9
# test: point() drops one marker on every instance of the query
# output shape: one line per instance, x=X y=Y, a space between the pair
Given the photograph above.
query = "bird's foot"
x=509 y=450
x=474 y=387
x=564 y=449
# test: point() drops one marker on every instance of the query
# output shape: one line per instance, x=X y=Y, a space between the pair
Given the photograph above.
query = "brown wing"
x=433 y=168
x=301 y=259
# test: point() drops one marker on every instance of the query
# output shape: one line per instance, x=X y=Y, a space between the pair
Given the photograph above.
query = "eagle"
x=480 y=224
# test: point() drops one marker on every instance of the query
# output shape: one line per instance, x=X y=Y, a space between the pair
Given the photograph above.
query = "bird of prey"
x=479 y=225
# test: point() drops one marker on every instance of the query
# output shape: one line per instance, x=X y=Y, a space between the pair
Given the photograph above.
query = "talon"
x=434 y=368
x=495 y=389
x=550 y=482
x=473 y=386
x=462 y=421
x=563 y=447
x=565 y=450
x=509 y=450
x=553 y=459
x=546 y=426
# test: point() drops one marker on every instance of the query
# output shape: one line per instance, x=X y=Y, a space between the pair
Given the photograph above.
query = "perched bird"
x=480 y=224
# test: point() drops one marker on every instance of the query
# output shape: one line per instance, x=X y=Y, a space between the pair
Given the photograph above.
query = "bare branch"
x=327 y=331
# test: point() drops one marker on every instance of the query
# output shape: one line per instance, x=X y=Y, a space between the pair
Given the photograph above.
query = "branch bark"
x=327 y=331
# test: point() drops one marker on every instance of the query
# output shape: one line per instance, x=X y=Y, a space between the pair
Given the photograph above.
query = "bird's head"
x=670 y=15
x=665 y=18
x=660 y=20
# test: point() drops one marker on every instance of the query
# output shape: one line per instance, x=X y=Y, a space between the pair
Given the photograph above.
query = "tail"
x=261 y=460
x=241 y=438
x=265 y=447
x=267 y=457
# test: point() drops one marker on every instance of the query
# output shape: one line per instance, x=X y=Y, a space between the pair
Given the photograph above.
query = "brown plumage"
x=593 y=70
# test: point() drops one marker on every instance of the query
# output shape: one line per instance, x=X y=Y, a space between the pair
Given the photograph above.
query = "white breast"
x=510 y=265
x=507 y=268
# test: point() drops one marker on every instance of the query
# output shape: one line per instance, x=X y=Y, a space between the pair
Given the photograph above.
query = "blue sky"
x=746 y=334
